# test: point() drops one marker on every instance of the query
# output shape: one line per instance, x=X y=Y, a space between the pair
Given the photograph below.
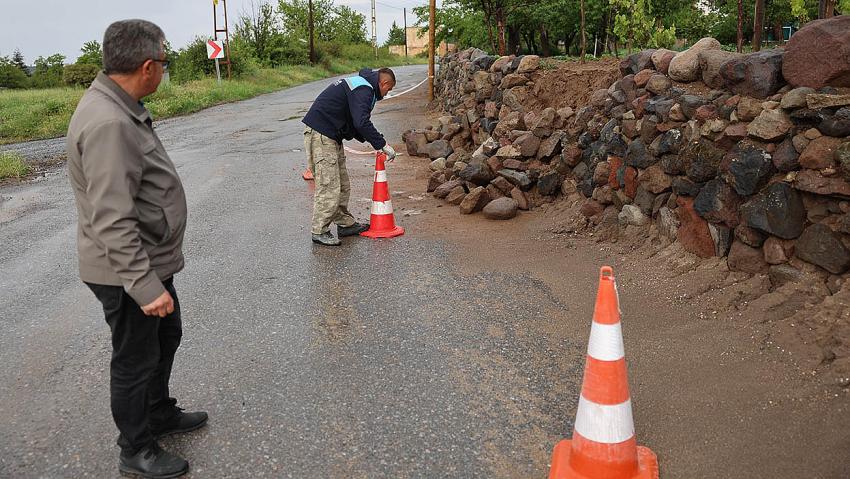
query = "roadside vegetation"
x=268 y=52
x=12 y=165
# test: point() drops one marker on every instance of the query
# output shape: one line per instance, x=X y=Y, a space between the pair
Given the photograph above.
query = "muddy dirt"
x=572 y=83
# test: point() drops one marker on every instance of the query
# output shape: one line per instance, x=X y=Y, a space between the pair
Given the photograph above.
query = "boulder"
x=819 y=245
x=663 y=59
x=528 y=64
x=516 y=178
x=815 y=182
x=474 y=201
x=438 y=165
x=550 y=146
x=477 y=173
x=778 y=251
x=668 y=223
x=710 y=62
x=684 y=186
x=591 y=208
x=508 y=152
x=549 y=183
x=693 y=233
x=654 y=180
x=632 y=215
x=436 y=179
x=527 y=144
x=778 y=211
x=750 y=236
x=717 y=202
x=643 y=200
x=685 y=65
x=785 y=157
x=819 y=54
x=443 y=190
x=502 y=184
x=820 y=153
x=837 y=125
x=771 y=125
x=520 y=197
x=512 y=80
x=415 y=142
x=501 y=209
x=722 y=237
x=795 y=98
x=748 y=109
x=456 y=196
x=516 y=98
x=642 y=77
x=638 y=156
x=702 y=159
x=636 y=62
x=747 y=168
x=602 y=174
x=746 y=258
x=690 y=104
x=757 y=74
x=438 y=149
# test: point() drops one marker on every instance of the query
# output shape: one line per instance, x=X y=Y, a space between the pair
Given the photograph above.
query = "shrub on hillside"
x=80 y=75
x=11 y=76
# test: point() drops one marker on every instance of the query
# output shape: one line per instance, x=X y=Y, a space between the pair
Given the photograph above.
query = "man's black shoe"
x=352 y=230
x=326 y=239
x=152 y=462
x=184 y=422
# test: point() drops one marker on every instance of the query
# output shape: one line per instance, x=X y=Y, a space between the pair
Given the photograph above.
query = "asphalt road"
x=382 y=358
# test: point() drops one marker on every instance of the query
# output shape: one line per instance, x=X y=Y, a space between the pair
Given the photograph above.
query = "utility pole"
x=310 y=20
x=224 y=30
x=374 y=31
x=431 y=36
x=405 y=34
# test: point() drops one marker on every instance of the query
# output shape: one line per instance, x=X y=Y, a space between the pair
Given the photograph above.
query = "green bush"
x=12 y=77
x=80 y=75
x=191 y=62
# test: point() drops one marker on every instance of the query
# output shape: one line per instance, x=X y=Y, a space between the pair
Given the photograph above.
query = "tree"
x=11 y=75
x=92 y=54
x=331 y=23
x=18 y=61
x=396 y=36
x=257 y=29
x=48 y=71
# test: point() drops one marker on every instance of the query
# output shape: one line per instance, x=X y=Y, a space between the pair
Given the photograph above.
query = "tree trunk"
x=513 y=40
x=740 y=26
x=545 y=46
x=778 y=33
x=583 y=37
x=500 y=21
x=758 y=25
x=826 y=8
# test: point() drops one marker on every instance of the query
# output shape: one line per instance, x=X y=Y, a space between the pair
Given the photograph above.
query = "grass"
x=36 y=114
x=12 y=165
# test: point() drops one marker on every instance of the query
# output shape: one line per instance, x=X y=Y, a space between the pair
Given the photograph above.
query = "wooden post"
x=405 y=34
x=310 y=21
x=583 y=39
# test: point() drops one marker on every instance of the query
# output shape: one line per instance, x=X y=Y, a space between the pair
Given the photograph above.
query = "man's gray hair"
x=127 y=44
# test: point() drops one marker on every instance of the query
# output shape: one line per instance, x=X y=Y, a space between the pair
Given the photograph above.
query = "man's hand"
x=389 y=151
x=161 y=306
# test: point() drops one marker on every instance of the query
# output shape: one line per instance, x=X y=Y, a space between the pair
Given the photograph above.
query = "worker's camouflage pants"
x=326 y=158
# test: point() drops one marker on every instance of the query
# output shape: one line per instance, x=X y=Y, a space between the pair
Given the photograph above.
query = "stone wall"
x=745 y=156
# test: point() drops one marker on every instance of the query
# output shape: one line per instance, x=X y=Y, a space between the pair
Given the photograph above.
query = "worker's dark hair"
x=388 y=72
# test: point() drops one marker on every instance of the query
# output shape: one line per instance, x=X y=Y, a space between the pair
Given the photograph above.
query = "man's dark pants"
x=143 y=350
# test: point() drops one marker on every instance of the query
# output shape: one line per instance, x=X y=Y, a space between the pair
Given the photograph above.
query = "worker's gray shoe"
x=352 y=230
x=326 y=239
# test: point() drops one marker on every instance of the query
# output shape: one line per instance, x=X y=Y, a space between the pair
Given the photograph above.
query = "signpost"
x=215 y=50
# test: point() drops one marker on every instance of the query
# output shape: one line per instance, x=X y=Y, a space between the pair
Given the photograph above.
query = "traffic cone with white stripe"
x=382 y=223
x=604 y=444
x=307 y=175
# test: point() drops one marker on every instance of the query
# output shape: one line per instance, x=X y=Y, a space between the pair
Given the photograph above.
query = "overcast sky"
x=44 y=27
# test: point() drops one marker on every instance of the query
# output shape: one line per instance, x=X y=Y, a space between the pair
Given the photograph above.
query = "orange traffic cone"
x=603 y=444
x=382 y=223
x=307 y=175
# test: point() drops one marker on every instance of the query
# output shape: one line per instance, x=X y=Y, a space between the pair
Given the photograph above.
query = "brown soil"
x=572 y=83
x=722 y=385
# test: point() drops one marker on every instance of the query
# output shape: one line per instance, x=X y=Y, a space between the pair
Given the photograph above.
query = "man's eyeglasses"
x=164 y=63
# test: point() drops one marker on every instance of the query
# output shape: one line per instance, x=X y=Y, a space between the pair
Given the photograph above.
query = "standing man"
x=341 y=112
x=131 y=217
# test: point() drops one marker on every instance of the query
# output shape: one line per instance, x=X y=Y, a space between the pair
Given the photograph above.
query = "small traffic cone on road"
x=307 y=175
x=604 y=444
x=382 y=223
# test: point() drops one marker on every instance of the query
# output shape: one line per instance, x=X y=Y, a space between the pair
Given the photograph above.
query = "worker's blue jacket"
x=342 y=111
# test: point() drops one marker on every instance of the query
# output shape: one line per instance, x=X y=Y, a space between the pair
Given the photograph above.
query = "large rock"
x=636 y=62
x=702 y=159
x=638 y=156
x=757 y=74
x=819 y=54
x=550 y=146
x=746 y=258
x=748 y=109
x=820 y=153
x=654 y=180
x=549 y=183
x=747 y=168
x=718 y=203
x=516 y=98
x=437 y=178
x=837 y=125
x=771 y=125
x=667 y=222
x=710 y=62
x=693 y=233
x=814 y=182
x=415 y=141
x=796 y=98
x=632 y=215
x=474 y=201
x=785 y=157
x=685 y=65
x=438 y=149
x=778 y=211
x=528 y=64
x=543 y=125
x=821 y=246
x=842 y=158
x=778 y=251
x=478 y=173
x=518 y=179
x=661 y=58
x=443 y=190
x=527 y=144
x=501 y=209
x=658 y=84
x=512 y=80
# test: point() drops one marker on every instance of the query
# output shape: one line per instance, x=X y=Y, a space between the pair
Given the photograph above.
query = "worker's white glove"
x=389 y=151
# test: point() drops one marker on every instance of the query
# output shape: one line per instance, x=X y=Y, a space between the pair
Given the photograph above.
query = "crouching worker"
x=341 y=112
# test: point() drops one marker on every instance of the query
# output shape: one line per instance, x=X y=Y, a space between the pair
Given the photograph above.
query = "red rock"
x=706 y=112
x=591 y=208
x=642 y=77
x=655 y=180
x=746 y=258
x=813 y=182
x=630 y=181
x=819 y=54
x=693 y=232
x=820 y=153
x=521 y=198
x=494 y=163
x=614 y=164
x=736 y=131
x=778 y=251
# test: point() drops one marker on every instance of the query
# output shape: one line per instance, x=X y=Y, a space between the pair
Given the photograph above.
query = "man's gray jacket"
x=130 y=201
